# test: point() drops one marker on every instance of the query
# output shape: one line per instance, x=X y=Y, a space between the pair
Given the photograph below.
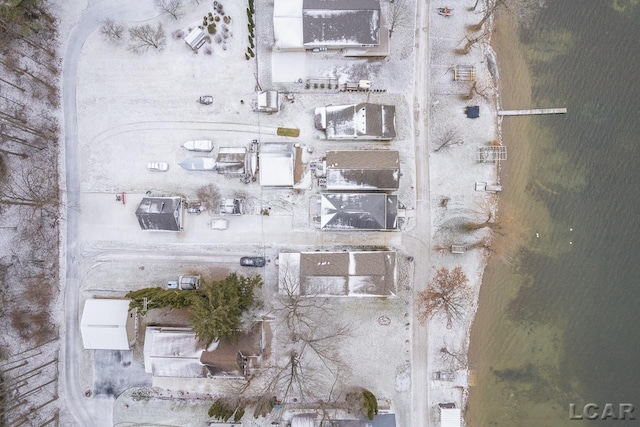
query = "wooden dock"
x=532 y=112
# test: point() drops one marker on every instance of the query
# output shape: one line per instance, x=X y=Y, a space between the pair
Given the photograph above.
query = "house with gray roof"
x=361 y=273
x=357 y=121
x=160 y=213
x=330 y=24
x=362 y=170
x=340 y=23
x=358 y=212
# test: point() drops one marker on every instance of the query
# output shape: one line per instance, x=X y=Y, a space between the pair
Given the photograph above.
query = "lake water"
x=558 y=320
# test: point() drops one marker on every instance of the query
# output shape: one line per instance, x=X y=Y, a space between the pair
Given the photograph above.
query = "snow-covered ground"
x=134 y=109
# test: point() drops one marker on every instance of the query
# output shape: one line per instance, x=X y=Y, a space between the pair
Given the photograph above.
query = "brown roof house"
x=362 y=170
x=357 y=121
x=363 y=273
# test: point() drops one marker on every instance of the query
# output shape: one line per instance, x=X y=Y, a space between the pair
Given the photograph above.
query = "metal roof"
x=160 y=213
x=358 y=121
x=341 y=22
x=358 y=211
x=104 y=324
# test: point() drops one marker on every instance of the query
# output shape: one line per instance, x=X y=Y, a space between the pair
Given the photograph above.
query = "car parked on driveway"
x=158 y=166
x=252 y=261
x=189 y=283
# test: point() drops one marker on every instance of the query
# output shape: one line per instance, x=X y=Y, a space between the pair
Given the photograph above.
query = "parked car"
x=158 y=166
x=172 y=284
x=206 y=99
x=219 y=224
x=188 y=283
x=252 y=261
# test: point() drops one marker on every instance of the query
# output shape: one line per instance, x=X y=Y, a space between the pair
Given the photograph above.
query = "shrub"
x=208 y=50
x=321 y=85
x=211 y=28
x=251 y=52
x=246 y=56
x=226 y=19
x=217 y=19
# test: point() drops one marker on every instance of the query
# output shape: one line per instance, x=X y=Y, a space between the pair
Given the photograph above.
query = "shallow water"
x=559 y=323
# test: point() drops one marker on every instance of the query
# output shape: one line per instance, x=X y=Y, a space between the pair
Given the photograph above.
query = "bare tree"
x=523 y=8
x=448 y=293
x=312 y=364
x=31 y=186
x=454 y=358
x=173 y=8
x=209 y=196
x=112 y=29
x=398 y=15
x=145 y=36
x=448 y=139
x=471 y=42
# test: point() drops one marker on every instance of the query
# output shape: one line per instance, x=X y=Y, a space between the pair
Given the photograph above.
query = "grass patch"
x=294 y=133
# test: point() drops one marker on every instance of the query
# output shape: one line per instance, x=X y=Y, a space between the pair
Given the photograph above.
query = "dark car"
x=252 y=261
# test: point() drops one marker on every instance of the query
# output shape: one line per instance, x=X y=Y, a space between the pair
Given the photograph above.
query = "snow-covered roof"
x=450 y=417
x=358 y=211
x=195 y=38
x=276 y=164
x=107 y=325
x=287 y=24
x=268 y=101
x=341 y=23
x=160 y=213
x=173 y=352
x=362 y=170
x=357 y=121
x=365 y=273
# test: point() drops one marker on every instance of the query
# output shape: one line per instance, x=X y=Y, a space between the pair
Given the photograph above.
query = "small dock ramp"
x=532 y=112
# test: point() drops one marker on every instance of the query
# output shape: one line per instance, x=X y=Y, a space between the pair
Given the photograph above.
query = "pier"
x=532 y=112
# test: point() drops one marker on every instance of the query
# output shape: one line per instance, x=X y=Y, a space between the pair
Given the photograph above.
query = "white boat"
x=199 y=164
x=203 y=145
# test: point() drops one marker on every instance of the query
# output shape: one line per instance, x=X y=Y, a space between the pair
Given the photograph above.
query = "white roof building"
x=195 y=38
x=107 y=324
x=276 y=164
x=450 y=417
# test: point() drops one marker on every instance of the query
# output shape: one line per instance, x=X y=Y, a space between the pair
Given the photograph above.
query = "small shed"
x=268 y=101
x=473 y=112
x=107 y=324
x=196 y=38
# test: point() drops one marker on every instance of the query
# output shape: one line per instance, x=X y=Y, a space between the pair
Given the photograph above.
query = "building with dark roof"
x=160 y=213
x=340 y=23
x=358 y=212
x=363 y=273
x=362 y=170
x=357 y=121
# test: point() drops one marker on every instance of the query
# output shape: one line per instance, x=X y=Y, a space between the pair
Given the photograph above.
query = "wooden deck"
x=532 y=112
